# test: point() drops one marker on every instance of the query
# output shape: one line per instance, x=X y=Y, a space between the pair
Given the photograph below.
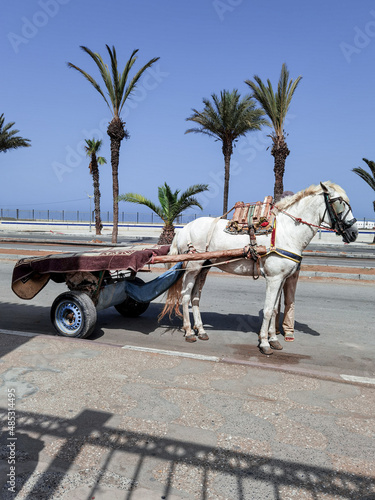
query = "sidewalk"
x=102 y=422
x=79 y=229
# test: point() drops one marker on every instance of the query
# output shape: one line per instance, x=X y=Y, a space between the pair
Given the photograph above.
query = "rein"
x=301 y=221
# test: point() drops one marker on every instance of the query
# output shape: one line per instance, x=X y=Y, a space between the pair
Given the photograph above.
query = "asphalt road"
x=334 y=322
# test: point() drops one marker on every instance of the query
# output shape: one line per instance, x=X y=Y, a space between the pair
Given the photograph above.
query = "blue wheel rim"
x=68 y=318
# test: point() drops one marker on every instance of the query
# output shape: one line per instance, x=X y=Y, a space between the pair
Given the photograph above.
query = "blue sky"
x=204 y=47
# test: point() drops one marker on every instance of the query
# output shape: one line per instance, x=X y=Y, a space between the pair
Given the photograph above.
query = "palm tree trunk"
x=167 y=235
x=280 y=152
x=115 y=154
x=227 y=152
x=116 y=133
x=95 y=179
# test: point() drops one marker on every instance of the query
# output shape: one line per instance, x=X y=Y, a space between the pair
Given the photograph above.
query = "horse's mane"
x=311 y=190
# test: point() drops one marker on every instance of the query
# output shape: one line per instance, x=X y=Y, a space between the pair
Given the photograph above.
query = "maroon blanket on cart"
x=30 y=275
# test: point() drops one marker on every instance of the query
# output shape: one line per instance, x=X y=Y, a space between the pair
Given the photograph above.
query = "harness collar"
x=295 y=257
x=286 y=253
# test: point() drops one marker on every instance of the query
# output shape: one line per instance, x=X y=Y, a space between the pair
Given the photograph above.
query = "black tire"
x=130 y=308
x=73 y=314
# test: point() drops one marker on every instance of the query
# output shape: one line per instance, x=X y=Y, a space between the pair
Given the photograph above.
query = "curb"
x=344 y=255
x=347 y=276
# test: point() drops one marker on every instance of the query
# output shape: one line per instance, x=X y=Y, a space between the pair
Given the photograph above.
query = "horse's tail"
x=172 y=302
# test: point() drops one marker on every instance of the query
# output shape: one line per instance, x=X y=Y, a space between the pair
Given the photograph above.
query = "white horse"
x=298 y=218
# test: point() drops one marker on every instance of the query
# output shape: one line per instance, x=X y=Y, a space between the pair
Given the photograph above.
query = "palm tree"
x=118 y=90
x=171 y=206
x=276 y=106
x=369 y=178
x=91 y=148
x=226 y=119
x=8 y=138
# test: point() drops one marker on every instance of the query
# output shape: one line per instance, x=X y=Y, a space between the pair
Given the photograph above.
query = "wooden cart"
x=104 y=278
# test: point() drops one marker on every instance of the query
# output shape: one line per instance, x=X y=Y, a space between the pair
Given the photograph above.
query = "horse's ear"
x=324 y=187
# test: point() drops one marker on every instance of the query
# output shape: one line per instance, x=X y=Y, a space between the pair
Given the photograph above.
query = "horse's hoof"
x=289 y=338
x=275 y=344
x=265 y=350
x=203 y=336
x=190 y=338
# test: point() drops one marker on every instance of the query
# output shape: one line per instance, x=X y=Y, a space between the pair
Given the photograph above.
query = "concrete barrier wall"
x=365 y=236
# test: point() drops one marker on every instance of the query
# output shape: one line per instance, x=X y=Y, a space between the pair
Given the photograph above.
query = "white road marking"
x=172 y=353
x=348 y=378
x=22 y=334
x=362 y=380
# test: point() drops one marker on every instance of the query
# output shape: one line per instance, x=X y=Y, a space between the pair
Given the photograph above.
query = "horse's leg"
x=187 y=287
x=272 y=330
x=289 y=309
x=274 y=325
x=195 y=298
x=275 y=320
x=273 y=291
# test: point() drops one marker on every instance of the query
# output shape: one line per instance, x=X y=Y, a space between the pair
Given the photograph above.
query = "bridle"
x=335 y=207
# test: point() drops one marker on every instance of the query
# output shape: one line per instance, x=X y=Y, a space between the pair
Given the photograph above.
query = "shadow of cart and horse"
x=275 y=252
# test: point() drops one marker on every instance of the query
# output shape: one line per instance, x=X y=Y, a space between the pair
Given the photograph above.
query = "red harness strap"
x=301 y=221
x=273 y=234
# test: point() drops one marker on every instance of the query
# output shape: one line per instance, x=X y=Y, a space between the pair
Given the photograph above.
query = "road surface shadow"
x=243 y=472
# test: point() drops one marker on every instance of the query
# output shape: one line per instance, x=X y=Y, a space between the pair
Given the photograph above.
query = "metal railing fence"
x=76 y=216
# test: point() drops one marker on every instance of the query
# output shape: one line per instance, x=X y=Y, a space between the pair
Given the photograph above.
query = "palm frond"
x=101 y=160
x=275 y=105
x=227 y=116
x=363 y=174
x=125 y=73
x=92 y=81
x=115 y=84
x=142 y=200
x=168 y=200
x=133 y=82
x=196 y=130
x=92 y=146
x=371 y=165
x=193 y=190
x=104 y=72
x=8 y=138
x=171 y=204
x=189 y=202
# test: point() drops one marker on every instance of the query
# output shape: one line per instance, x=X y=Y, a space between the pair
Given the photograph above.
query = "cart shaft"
x=219 y=254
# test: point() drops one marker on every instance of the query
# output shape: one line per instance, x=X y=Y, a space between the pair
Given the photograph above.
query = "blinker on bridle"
x=335 y=208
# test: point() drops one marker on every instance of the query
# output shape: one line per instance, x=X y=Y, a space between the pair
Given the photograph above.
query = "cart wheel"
x=73 y=314
x=130 y=308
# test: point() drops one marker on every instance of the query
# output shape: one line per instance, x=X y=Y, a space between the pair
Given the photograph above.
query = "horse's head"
x=339 y=212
